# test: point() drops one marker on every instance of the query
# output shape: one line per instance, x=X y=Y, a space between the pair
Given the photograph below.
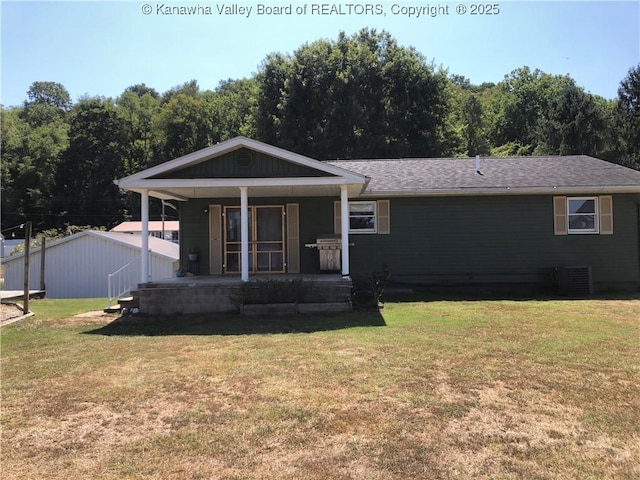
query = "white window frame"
x=375 y=218
x=596 y=215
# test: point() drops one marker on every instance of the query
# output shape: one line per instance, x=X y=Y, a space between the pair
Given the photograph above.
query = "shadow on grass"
x=218 y=324
x=400 y=293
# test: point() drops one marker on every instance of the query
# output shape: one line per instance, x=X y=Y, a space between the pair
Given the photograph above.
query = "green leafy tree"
x=13 y=132
x=234 y=108
x=628 y=118
x=272 y=79
x=33 y=139
x=359 y=96
x=190 y=88
x=186 y=123
x=47 y=102
x=574 y=122
x=141 y=89
x=417 y=105
x=523 y=96
x=139 y=109
x=532 y=112
x=469 y=117
x=50 y=93
x=86 y=193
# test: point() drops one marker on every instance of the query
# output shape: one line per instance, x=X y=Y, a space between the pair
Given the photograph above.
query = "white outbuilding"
x=79 y=266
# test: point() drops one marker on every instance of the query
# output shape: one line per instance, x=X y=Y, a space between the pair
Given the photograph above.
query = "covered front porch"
x=262 y=294
x=246 y=209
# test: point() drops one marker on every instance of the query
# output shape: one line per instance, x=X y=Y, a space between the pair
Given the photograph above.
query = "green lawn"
x=433 y=390
x=67 y=307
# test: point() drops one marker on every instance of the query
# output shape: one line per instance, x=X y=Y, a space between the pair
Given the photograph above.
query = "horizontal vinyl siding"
x=457 y=239
x=315 y=216
x=494 y=239
x=194 y=232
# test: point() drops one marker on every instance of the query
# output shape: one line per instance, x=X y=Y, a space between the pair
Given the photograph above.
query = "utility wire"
x=13 y=228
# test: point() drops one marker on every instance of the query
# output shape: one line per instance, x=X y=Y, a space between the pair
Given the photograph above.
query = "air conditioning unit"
x=575 y=281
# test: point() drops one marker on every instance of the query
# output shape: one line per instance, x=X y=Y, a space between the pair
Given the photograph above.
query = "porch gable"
x=219 y=170
x=244 y=163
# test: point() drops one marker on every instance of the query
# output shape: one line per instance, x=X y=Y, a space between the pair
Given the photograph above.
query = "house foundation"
x=263 y=295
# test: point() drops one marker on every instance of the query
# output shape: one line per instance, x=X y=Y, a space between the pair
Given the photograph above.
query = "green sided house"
x=248 y=209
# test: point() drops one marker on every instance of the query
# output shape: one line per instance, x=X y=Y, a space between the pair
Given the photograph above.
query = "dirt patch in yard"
x=517 y=428
x=9 y=312
x=97 y=318
x=84 y=435
x=95 y=314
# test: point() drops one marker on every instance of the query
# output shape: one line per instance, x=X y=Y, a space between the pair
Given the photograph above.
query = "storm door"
x=266 y=239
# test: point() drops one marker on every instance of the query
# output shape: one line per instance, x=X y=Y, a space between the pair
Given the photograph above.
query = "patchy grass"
x=438 y=390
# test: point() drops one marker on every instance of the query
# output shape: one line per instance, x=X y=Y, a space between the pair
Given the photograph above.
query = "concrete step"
x=113 y=309
x=130 y=302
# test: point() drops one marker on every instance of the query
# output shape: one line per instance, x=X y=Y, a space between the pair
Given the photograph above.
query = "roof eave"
x=161 y=188
x=466 y=191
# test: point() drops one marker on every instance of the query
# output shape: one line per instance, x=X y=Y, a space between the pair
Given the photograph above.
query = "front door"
x=266 y=239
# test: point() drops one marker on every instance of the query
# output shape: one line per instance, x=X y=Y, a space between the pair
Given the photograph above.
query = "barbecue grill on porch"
x=329 y=246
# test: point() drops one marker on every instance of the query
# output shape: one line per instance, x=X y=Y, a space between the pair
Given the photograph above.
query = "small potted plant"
x=193 y=254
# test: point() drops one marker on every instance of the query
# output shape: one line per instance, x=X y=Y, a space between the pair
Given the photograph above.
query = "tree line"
x=359 y=96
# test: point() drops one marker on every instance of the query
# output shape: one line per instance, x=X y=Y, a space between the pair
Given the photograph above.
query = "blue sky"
x=100 y=48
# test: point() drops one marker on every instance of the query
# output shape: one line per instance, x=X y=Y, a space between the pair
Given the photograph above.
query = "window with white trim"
x=362 y=217
x=365 y=217
x=582 y=215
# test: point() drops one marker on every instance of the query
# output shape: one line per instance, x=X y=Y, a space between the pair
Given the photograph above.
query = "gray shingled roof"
x=499 y=175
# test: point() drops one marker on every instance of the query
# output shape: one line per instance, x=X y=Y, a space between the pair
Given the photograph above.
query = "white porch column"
x=244 y=233
x=144 y=219
x=344 y=228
